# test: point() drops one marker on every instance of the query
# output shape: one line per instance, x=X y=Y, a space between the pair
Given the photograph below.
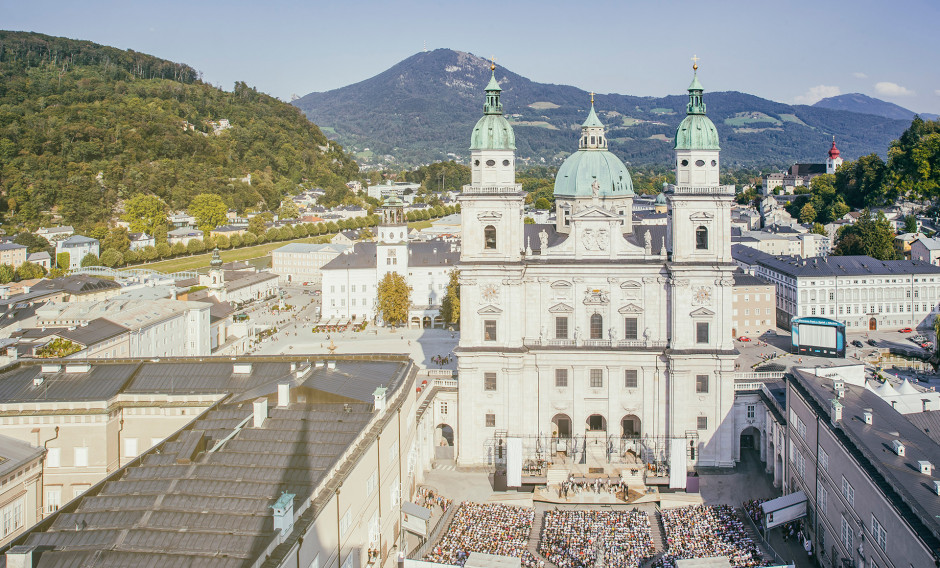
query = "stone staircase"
x=753 y=534
x=535 y=535
x=659 y=537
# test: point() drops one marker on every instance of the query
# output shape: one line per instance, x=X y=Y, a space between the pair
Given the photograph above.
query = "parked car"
x=905 y=330
x=744 y=338
x=928 y=345
x=872 y=342
x=856 y=343
x=918 y=338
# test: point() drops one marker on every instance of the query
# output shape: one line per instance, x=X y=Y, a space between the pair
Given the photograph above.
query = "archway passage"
x=750 y=440
x=872 y=324
x=596 y=423
x=445 y=434
x=416 y=321
x=561 y=426
x=630 y=426
x=426 y=322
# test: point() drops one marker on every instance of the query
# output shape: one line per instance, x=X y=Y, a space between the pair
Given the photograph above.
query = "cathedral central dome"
x=593 y=170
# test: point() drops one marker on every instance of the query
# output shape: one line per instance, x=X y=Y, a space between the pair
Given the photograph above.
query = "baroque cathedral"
x=595 y=337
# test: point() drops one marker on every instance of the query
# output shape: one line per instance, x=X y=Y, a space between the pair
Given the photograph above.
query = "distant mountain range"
x=857 y=102
x=423 y=109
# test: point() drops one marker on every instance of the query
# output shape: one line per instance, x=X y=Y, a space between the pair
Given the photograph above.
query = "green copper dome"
x=576 y=176
x=696 y=131
x=493 y=131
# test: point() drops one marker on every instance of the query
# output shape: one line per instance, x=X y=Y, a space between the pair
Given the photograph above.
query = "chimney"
x=260 y=412
x=925 y=467
x=284 y=515
x=936 y=489
x=898 y=448
x=241 y=369
x=835 y=408
x=839 y=386
x=868 y=416
x=331 y=365
x=379 y=396
x=283 y=395
x=20 y=556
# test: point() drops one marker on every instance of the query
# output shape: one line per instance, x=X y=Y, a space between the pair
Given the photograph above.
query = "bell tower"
x=391 y=248
x=834 y=159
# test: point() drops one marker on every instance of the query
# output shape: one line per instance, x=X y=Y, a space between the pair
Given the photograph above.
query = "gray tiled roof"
x=97 y=330
x=215 y=509
x=15 y=454
x=795 y=266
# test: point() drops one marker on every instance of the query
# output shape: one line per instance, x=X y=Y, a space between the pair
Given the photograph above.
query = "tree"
x=145 y=213
x=62 y=260
x=450 y=304
x=869 y=236
x=164 y=250
x=33 y=243
x=131 y=256
x=112 y=258
x=7 y=274
x=257 y=225
x=819 y=229
x=910 y=224
x=117 y=239
x=149 y=253
x=222 y=242
x=195 y=246
x=90 y=259
x=178 y=248
x=209 y=211
x=540 y=203
x=288 y=210
x=29 y=270
x=807 y=213
x=393 y=299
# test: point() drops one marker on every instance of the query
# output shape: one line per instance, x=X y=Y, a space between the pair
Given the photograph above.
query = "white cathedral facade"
x=592 y=337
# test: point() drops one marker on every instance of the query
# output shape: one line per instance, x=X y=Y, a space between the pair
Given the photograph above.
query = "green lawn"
x=749 y=118
x=419 y=225
x=543 y=105
x=198 y=261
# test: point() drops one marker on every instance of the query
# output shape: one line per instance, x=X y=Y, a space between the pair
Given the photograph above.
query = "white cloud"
x=817 y=93
x=859 y=75
x=889 y=89
x=937 y=92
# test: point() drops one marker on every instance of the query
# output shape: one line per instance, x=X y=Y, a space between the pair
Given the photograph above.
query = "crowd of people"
x=702 y=531
x=486 y=527
x=428 y=498
x=574 y=539
x=576 y=487
x=754 y=510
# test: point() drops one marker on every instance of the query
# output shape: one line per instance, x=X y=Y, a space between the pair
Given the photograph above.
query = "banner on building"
x=514 y=462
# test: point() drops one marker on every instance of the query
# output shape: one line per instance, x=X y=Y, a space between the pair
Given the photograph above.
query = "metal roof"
x=828 y=266
x=14 y=454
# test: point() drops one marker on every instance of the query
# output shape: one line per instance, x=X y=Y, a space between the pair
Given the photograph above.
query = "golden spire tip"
x=492 y=63
x=695 y=60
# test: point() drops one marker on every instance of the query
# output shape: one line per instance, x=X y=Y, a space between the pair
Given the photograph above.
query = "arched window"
x=489 y=237
x=701 y=238
x=597 y=326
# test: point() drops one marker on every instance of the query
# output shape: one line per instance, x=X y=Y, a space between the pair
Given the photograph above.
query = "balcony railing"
x=701 y=190
x=492 y=189
x=596 y=343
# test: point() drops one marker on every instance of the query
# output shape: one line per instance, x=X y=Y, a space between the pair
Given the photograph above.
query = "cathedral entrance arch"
x=596 y=423
x=872 y=324
x=750 y=440
x=630 y=426
x=561 y=426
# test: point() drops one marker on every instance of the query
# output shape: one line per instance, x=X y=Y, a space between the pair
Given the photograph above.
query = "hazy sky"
x=793 y=52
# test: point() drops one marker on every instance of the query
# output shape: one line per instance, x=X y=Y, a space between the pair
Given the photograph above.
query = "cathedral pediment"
x=630 y=284
x=561 y=285
x=561 y=308
x=594 y=212
x=701 y=216
x=631 y=309
x=702 y=313
x=489 y=310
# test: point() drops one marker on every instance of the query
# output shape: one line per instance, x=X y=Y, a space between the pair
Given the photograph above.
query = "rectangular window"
x=561 y=327
x=848 y=492
x=846 y=535
x=344 y=523
x=823 y=499
x=489 y=330
x=597 y=378
x=54 y=457
x=490 y=420
x=630 y=328
x=13 y=517
x=130 y=447
x=371 y=483
x=701 y=332
x=702 y=423
x=53 y=499
x=701 y=384
x=489 y=381
x=801 y=464
x=750 y=411
x=561 y=378
x=823 y=460
x=77 y=490
x=81 y=457
x=630 y=379
x=443 y=408
x=878 y=531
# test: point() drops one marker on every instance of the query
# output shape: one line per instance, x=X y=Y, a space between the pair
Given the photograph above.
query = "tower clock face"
x=703 y=295
x=490 y=292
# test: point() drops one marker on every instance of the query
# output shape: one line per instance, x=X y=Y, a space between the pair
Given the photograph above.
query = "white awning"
x=783 y=502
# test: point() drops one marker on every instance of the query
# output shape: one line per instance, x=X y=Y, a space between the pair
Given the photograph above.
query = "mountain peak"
x=861 y=103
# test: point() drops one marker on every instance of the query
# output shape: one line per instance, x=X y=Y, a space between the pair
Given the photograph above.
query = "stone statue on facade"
x=647 y=242
x=543 y=240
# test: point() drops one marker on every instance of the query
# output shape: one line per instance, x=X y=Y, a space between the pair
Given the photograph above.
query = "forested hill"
x=425 y=107
x=84 y=127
